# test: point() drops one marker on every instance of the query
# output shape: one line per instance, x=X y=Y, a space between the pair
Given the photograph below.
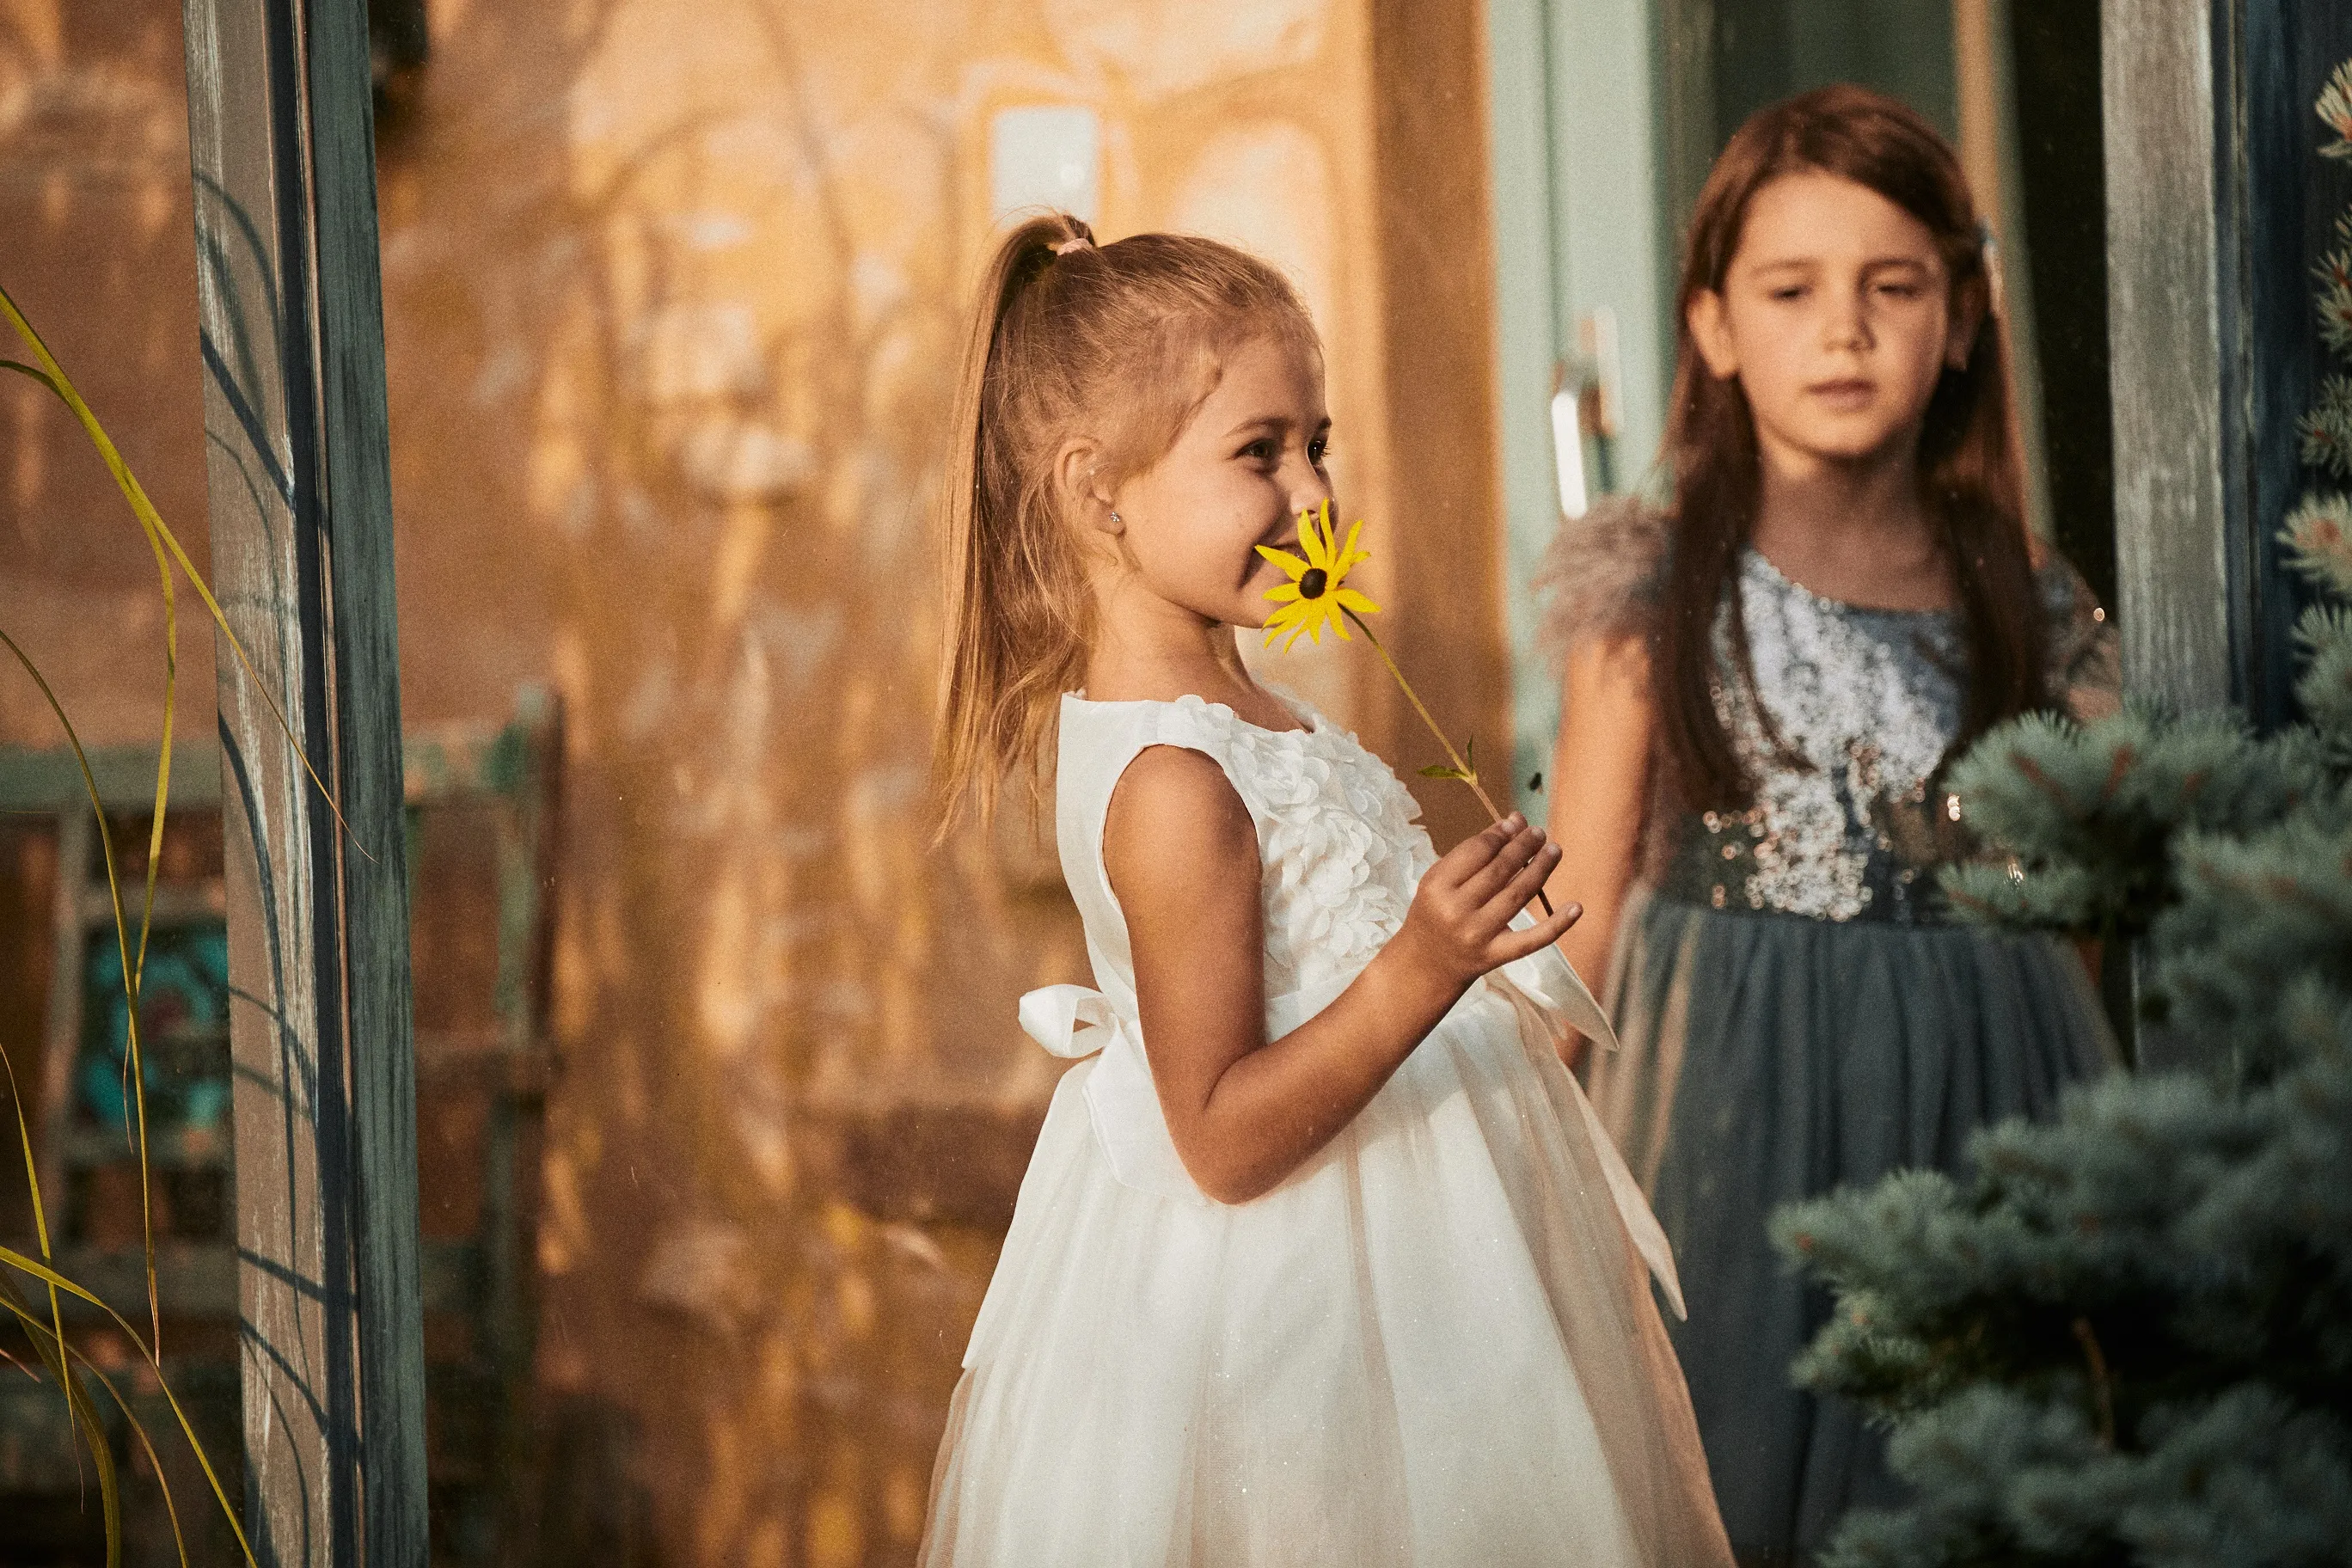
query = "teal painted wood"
x=1581 y=227
x=47 y=779
x=328 y=1281
x=1525 y=348
x=2283 y=202
x=357 y=441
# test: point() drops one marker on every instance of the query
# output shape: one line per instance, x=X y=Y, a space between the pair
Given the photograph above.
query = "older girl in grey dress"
x=1765 y=681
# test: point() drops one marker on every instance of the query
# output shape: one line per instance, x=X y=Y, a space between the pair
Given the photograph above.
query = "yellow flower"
x=1314 y=597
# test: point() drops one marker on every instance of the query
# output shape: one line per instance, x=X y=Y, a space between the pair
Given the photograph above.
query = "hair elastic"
x=1075 y=242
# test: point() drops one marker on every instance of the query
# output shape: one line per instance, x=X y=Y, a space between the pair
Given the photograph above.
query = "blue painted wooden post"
x=2213 y=198
x=332 y=1367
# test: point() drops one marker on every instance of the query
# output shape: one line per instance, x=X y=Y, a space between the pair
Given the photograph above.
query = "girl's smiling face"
x=1245 y=466
x=1837 y=315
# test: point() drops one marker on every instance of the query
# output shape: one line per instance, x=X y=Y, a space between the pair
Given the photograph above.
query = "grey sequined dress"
x=1797 y=1010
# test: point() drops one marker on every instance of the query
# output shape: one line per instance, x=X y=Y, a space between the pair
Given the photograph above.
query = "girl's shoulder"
x=1603 y=574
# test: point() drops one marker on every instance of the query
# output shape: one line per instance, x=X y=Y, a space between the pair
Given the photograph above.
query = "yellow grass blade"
x=12 y=1258
x=129 y=985
x=83 y=1413
x=154 y=1460
x=33 y=1184
x=53 y=375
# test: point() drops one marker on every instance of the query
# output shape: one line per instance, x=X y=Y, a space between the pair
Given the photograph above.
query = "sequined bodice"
x=1864 y=703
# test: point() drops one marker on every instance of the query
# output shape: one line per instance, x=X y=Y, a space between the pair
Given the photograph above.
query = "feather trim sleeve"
x=2084 y=674
x=1601 y=576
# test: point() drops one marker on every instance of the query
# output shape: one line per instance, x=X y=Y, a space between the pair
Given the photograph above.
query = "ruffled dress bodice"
x=1340 y=850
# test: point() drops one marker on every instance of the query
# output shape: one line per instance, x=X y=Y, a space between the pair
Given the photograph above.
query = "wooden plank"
x=328 y=1276
x=2174 y=587
x=61 y=1037
x=1435 y=258
x=49 y=778
x=375 y=951
x=2281 y=203
x=176 y=903
x=293 y=1297
x=198 y=1280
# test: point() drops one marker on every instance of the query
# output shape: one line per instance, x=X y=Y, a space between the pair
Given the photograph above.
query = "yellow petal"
x=1348 y=555
x=1351 y=600
x=1283 y=591
x=1319 y=552
x=1286 y=560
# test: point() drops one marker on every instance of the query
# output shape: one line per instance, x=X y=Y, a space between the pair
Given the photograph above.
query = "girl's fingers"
x=1476 y=853
x=1515 y=945
x=1521 y=890
x=1482 y=885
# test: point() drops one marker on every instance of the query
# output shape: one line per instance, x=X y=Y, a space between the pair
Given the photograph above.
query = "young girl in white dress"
x=1320 y=1257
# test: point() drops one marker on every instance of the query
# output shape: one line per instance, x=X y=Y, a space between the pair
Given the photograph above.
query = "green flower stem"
x=1462 y=769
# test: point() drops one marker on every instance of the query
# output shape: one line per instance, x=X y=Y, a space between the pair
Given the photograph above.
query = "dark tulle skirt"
x=1767 y=1057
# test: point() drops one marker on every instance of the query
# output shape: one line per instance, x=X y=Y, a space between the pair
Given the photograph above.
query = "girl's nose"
x=1848 y=326
x=1309 y=490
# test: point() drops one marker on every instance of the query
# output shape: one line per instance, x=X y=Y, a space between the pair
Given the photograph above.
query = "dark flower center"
x=1312 y=584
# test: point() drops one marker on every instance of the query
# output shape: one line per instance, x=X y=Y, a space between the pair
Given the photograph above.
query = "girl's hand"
x=1460 y=924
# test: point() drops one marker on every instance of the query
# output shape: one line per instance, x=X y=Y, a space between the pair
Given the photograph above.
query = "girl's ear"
x=1712 y=335
x=1076 y=473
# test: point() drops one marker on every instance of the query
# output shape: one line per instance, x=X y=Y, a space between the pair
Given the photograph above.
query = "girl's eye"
x=1315 y=449
x=1259 y=451
x=1789 y=291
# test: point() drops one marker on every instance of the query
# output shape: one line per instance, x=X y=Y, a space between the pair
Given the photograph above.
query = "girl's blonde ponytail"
x=1119 y=343
x=1016 y=594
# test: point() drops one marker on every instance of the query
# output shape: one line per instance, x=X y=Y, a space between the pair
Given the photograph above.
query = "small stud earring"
x=1115 y=521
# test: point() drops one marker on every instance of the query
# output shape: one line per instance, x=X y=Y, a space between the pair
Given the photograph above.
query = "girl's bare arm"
x=1183 y=855
x=1599 y=787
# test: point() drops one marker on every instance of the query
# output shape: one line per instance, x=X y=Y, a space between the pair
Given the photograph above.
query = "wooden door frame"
x=299 y=466
x=2211 y=209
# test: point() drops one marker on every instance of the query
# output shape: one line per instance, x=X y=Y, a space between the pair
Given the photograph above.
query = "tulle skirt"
x=1433 y=1344
x=1767 y=1057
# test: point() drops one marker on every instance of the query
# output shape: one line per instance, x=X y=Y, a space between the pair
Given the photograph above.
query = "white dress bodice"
x=1340 y=852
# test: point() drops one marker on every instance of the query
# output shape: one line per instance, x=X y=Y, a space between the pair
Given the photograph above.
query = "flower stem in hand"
x=1461 y=769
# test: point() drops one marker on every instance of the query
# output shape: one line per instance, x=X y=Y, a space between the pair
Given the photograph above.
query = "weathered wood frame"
x=2209 y=174
x=2209 y=146
x=282 y=145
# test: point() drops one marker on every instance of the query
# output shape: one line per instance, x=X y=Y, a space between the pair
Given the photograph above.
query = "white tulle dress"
x=1435 y=1343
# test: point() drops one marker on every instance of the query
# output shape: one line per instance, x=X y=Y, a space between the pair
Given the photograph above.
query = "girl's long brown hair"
x=1121 y=344
x=1968 y=462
